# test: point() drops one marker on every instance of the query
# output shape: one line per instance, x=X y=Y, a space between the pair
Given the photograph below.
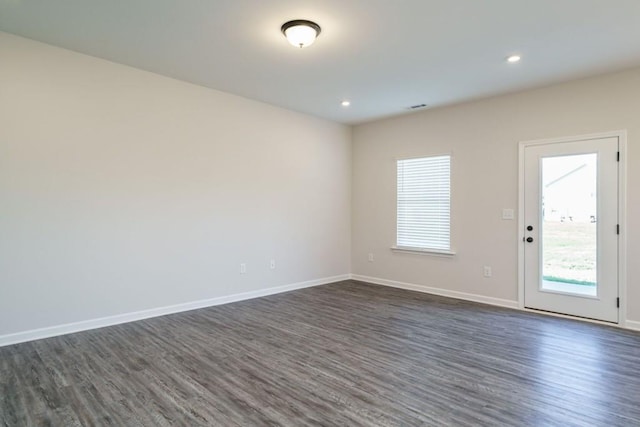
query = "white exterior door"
x=571 y=228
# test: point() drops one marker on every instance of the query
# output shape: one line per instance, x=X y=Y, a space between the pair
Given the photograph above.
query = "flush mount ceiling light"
x=300 y=33
x=514 y=58
x=345 y=103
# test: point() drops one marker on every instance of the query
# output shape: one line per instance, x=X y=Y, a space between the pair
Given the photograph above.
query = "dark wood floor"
x=343 y=354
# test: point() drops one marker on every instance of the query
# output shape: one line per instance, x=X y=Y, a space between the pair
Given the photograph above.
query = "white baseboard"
x=632 y=324
x=102 y=322
x=629 y=324
x=84 y=325
x=438 y=291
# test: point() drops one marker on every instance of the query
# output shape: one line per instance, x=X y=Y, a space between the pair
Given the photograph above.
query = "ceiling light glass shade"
x=301 y=33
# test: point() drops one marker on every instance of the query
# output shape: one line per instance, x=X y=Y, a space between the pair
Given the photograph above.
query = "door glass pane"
x=569 y=224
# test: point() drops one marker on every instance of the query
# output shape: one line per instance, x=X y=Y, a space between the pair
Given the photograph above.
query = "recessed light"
x=345 y=103
x=514 y=58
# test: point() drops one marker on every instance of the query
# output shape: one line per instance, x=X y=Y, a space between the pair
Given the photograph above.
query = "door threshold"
x=571 y=317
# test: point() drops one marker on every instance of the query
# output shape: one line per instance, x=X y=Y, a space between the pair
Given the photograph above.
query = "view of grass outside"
x=569 y=252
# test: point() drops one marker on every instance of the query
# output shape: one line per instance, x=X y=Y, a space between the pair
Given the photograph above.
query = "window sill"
x=422 y=251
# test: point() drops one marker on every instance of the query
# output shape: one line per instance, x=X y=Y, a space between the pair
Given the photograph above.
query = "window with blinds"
x=424 y=203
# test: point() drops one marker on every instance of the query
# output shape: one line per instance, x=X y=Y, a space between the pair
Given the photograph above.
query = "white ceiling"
x=383 y=55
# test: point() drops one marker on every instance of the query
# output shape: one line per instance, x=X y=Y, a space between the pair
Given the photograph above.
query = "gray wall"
x=483 y=138
x=121 y=191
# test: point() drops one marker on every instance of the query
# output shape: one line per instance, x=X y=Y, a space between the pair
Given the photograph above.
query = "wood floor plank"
x=349 y=353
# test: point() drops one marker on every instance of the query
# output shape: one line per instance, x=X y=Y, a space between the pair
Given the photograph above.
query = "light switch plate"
x=507 y=214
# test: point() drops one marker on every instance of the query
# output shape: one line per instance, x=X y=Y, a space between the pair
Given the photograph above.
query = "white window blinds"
x=424 y=203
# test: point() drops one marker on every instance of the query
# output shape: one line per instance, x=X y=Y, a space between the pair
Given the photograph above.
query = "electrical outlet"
x=243 y=268
x=487 y=271
x=272 y=264
x=370 y=257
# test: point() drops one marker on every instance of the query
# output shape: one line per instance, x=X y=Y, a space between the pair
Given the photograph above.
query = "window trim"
x=422 y=251
x=426 y=251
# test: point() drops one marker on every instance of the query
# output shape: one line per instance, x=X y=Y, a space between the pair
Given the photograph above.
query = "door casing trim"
x=622 y=212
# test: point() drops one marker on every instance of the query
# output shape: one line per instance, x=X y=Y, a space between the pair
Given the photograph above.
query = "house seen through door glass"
x=569 y=226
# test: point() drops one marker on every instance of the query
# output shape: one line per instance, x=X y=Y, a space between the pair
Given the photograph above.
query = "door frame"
x=622 y=214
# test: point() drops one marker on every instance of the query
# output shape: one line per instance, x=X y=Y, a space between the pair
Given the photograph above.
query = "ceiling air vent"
x=417 y=106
